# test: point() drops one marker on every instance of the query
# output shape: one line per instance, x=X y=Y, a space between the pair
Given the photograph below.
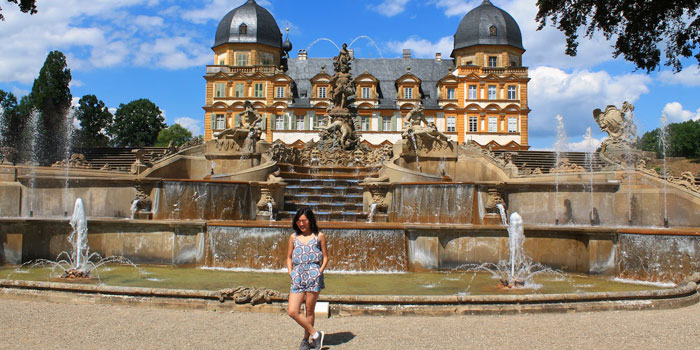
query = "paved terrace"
x=73 y=324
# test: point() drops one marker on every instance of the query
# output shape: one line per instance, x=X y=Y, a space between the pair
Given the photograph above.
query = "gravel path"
x=45 y=325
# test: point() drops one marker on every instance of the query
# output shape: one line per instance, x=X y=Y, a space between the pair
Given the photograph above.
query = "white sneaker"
x=317 y=344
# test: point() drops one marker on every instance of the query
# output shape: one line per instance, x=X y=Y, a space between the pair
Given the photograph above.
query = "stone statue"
x=616 y=123
x=342 y=90
x=618 y=148
x=249 y=131
x=341 y=63
x=413 y=126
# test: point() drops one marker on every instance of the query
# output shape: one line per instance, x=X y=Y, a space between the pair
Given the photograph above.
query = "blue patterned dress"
x=306 y=265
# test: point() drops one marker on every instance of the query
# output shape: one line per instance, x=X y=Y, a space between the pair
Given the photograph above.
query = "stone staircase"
x=546 y=160
x=333 y=193
x=119 y=159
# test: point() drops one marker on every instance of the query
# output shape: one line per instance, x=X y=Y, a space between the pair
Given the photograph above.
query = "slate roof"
x=262 y=27
x=386 y=70
x=474 y=29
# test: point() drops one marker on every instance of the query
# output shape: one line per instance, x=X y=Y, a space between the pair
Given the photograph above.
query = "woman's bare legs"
x=293 y=307
x=311 y=298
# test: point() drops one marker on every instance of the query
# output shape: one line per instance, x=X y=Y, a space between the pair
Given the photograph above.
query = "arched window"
x=243 y=29
x=493 y=31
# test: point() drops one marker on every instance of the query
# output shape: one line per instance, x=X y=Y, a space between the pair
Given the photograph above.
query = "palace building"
x=479 y=94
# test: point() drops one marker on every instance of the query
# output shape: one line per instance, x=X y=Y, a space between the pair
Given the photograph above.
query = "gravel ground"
x=46 y=325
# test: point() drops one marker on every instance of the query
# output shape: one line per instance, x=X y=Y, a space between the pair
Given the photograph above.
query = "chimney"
x=302 y=55
x=438 y=57
x=407 y=54
x=351 y=52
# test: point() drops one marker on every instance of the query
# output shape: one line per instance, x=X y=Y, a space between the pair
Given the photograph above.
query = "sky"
x=125 y=50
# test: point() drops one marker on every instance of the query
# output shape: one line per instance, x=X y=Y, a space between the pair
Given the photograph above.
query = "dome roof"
x=249 y=23
x=488 y=25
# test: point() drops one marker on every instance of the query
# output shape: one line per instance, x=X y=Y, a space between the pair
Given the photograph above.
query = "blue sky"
x=158 y=49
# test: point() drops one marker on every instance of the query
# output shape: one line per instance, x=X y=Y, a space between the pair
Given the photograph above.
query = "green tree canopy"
x=683 y=140
x=51 y=97
x=26 y=6
x=15 y=126
x=94 y=118
x=175 y=133
x=641 y=27
x=137 y=124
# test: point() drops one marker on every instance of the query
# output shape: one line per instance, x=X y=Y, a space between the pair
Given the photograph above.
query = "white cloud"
x=689 y=77
x=172 y=53
x=585 y=145
x=390 y=8
x=676 y=114
x=215 y=10
x=423 y=48
x=193 y=125
x=575 y=95
x=456 y=7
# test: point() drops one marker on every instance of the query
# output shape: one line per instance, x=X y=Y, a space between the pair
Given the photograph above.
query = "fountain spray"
x=663 y=134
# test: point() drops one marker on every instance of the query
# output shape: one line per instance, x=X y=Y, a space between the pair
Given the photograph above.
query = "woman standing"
x=307 y=258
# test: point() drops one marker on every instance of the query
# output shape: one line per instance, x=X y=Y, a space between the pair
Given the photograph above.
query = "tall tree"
x=15 y=127
x=26 y=6
x=94 y=118
x=51 y=97
x=683 y=140
x=175 y=133
x=641 y=27
x=137 y=124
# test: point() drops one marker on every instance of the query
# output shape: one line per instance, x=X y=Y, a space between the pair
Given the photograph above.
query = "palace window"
x=240 y=90
x=492 y=92
x=512 y=124
x=279 y=92
x=266 y=59
x=450 y=93
x=472 y=92
x=279 y=122
x=258 y=90
x=493 y=124
x=241 y=59
x=322 y=92
x=451 y=124
x=300 y=122
x=365 y=93
x=243 y=29
x=386 y=123
x=220 y=122
x=320 y=121
x=493 y=61
x=473 y=124
x=222 y=60
x=408 y=93
x=220 y=90
x=365 y=123
x=512 y=95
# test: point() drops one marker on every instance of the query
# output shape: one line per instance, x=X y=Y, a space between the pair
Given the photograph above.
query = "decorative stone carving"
x=140 y=164
x=242 y=138
x=8 y=154
x=76 y=160
x=618 y=148
x=493 y=198
x=340 y=132
x=141 y=206
x=566 y=166
x=254 y=296
x=421 y=134
x=687 y=180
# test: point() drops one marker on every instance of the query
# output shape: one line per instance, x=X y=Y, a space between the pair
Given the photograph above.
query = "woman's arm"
x=324 y=251
x=290 y=249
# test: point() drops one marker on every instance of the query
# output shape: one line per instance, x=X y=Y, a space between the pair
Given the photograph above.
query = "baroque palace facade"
x=478 y=95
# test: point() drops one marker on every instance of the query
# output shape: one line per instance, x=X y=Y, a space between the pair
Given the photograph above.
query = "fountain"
x=559 y=147
x=663 y=136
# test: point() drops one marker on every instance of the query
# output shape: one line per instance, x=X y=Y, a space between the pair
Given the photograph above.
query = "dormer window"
x=493 y=31
x=493 y=61
x=243 y=29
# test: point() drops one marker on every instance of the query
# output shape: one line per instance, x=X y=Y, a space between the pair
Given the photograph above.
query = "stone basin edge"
x=687 y=289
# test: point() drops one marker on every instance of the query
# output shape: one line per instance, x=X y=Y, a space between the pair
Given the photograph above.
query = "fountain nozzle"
x=666 y=222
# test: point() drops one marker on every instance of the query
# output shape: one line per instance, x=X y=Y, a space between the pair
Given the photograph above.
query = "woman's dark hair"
x=306 y=211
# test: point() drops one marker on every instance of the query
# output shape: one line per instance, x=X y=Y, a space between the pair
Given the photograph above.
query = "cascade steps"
x=333 y=193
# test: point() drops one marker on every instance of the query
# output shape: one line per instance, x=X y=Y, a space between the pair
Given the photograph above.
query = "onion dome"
x=251 y=24
x=488 y=25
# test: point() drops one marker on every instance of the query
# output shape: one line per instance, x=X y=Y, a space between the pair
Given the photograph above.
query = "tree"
x=175 y=133
x=683 y=140
x=15 y=127
x=94 y=118
x=639 y=25
x=24 y=6
x=137 y=124
x=51 y=97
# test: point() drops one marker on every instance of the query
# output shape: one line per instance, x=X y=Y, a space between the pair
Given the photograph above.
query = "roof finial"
x=487 y=2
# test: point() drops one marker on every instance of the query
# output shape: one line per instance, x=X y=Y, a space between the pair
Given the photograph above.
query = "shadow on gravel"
x=338 y=338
